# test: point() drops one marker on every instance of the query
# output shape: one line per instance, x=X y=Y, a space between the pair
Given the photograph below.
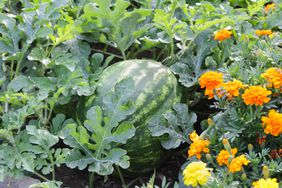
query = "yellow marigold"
x=256 y=95
x=268 y=7
x=198 y=146
x=224 y=155
x=273 y=123
x=222 y=34
x=263 y=32
x=237 y=163
x=274 y=77
x=196 y=173
x=266 y=183
x=232 y=88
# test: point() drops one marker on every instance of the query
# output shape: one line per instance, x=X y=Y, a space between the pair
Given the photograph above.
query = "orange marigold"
x=223 y=156
x=268 y=7
x=256 y=95
x=273 y=76
x=232 y=88
x=210 y=80
x=198 y=146
x=273 y=123
x=263 y=32
x=237 y=163
x=222 y=34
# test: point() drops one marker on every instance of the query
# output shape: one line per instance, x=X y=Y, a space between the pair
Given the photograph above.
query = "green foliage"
x=96 y=144
x=189 y=66
x=177 y=124
x=118 y=27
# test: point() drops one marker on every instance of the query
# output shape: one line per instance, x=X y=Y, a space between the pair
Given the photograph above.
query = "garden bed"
x=141 y=93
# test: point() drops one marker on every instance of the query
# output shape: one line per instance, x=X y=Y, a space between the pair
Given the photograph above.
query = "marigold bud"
x=244 y=176
x=250 y=147
x=265 y=171
x=210 y=122
x=209 y=157
x=226 y=145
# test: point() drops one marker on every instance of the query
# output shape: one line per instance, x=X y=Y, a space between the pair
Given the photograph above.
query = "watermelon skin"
x=156 y=90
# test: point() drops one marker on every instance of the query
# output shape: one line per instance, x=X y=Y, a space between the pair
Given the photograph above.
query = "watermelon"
x=156 y=90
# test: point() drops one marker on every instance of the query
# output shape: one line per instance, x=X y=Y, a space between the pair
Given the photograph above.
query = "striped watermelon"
x=155 y=92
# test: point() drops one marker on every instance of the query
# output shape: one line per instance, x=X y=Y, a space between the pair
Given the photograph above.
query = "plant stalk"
x=91 y=179
x=121 y=177
x=40 y=176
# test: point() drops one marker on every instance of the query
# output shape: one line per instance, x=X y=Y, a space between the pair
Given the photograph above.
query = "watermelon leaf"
x=95 y=144
x=189 y=66
x=177 y=124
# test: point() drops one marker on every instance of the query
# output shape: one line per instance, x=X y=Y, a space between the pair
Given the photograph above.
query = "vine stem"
x=123 y=55
x=91 y=179
x=40 y=176
x=53 y=167
x=121 y=177
x=20 y=61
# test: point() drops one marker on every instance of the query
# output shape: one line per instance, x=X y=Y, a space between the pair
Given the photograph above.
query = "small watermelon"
x=156 y=90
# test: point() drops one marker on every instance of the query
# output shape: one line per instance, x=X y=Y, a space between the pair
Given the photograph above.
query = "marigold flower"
x=222 y=34
x=237 y=163
x=273 y=123
x=198 y=146
x=210 y=80
x=232 y=88
x=263 y=32
x=256 y=95
x=268 y=7
x=266 y=183
x=196 y=173
x=224 y=155
x=274 y=77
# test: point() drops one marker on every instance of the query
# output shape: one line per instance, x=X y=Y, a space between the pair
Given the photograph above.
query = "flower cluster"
x=246 y=90
x=198 y=146
x=196 y=173
x=273 y=123
x=274 y=77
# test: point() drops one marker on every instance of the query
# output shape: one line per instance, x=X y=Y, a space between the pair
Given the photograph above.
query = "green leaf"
x=117 y=105
x=57 y=123
x=36 y=54
x=176 y=125
x=189 y=66
x=96 y=146
x=41 y=137
x=19 y=83
x=67 y=60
